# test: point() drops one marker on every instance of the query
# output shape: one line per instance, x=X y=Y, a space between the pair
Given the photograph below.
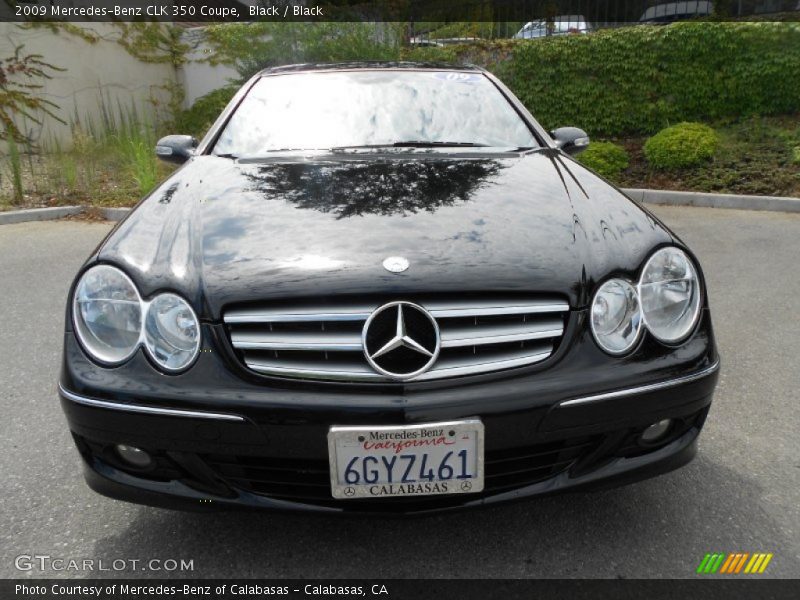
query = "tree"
x=250 y=47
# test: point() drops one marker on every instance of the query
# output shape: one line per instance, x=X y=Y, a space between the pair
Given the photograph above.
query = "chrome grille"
x=323 y=341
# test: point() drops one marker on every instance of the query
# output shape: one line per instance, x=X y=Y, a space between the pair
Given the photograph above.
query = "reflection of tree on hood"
x=385 y=187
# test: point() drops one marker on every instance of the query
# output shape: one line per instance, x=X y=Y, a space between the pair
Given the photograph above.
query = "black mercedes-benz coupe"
x=383 y=288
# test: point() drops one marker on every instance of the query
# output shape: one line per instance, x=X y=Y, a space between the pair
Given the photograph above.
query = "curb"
x=707 y=200
x=662 y=197
x=11 y=217
x=38 y=214
x=115 y=214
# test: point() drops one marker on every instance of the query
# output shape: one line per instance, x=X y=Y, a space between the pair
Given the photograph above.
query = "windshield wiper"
x=424 y=144
x=414 y=144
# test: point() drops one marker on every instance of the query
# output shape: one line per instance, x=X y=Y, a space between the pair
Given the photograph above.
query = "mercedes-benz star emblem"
x=395 y=264
x=401 y=340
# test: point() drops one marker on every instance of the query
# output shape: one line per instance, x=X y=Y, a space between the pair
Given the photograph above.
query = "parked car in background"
x=383 y=287
x=422 y=41
x=455 y=41
x=561 y=25
x=677 y=11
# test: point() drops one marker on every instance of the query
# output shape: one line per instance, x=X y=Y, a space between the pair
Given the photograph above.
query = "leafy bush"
x=682 y=145
x=607 y=158
x=796 y=155
x=205 y=110
x=639 y=79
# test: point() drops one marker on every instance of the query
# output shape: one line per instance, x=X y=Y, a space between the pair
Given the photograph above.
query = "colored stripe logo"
x=734 y=563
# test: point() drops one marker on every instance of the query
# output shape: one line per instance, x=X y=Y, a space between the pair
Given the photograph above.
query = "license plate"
x=411 y=460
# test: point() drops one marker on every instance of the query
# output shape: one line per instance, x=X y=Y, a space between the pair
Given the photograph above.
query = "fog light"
x=656 y=431
x=136 y=457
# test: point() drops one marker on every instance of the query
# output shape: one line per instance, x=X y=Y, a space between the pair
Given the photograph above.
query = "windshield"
x=351 y=109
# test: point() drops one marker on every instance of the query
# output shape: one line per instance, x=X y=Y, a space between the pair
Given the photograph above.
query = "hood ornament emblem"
x=395 y=264
x=401 y=340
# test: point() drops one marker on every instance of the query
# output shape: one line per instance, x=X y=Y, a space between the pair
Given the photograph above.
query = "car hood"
x=222 y=232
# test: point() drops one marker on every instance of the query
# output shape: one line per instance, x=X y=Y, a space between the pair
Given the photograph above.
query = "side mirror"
x=176 y=148
x=570 y=139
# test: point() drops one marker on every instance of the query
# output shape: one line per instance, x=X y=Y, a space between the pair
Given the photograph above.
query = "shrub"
x=607 y=158
x=205 y=110
x=796 y=155
x=682 y=145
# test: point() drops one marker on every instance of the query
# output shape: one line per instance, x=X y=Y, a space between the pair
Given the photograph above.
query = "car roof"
x=370 y=65
x=568 y=18
x=675 y=9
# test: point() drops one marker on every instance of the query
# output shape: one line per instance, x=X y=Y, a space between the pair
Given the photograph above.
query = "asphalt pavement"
x=741 y=493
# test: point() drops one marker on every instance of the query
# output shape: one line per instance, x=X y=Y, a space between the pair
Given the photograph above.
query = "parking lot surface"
x=741 y=493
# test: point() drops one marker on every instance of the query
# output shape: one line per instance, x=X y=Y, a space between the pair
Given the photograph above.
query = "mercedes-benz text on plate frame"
x=381 y=307
x=413 y=460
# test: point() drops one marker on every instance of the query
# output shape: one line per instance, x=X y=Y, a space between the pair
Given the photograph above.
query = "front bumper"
x=222 y=441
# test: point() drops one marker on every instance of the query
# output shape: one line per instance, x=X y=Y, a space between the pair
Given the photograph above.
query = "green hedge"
x=640 y=79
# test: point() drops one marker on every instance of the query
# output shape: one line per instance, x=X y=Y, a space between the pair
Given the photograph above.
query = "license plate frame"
x=343 y=445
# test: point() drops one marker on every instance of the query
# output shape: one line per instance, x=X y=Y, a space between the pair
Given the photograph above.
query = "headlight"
x=107 y=313
x=669 y=290
x=171 y=332
x=616 y=319
x=111 y=321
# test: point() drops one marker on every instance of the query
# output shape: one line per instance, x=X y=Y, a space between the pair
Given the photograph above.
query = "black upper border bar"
x=409 y=11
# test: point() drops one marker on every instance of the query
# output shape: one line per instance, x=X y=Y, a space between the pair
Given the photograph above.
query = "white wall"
x=199 y=78
x=93 y=71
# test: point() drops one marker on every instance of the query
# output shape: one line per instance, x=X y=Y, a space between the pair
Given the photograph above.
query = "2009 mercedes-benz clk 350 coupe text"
x=383 y=287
